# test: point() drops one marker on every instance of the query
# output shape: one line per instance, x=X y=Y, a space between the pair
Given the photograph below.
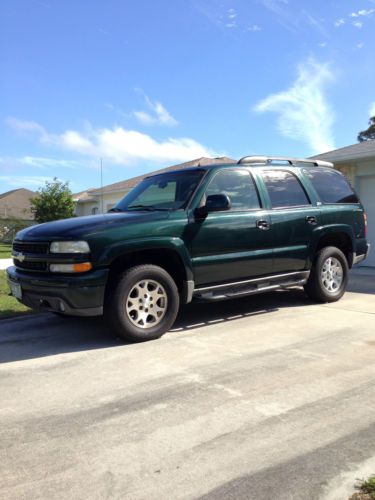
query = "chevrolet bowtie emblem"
x=19 y=256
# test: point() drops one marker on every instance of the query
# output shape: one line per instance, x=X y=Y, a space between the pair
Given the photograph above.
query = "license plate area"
x=15 y=289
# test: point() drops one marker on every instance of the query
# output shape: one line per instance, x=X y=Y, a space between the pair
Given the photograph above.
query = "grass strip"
x=9 y=306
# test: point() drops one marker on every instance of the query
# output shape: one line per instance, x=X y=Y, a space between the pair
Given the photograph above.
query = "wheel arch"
x=340 y=239
x=165 y=257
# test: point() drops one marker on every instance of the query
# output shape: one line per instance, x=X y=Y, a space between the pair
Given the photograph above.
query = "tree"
x=367 y=135
x=53 y=202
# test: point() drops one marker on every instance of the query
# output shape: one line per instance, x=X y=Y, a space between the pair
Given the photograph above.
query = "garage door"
x=367 y=195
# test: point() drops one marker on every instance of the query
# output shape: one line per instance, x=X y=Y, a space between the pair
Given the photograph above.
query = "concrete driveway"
x=269 y=397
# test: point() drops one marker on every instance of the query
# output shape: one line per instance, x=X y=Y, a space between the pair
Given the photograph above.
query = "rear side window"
x=284 y=189
x=331 y=186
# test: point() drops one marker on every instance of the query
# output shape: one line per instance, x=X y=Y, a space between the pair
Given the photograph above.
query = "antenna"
x=101 y=185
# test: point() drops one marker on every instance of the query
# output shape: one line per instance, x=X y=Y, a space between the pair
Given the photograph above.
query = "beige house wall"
x=91 y=207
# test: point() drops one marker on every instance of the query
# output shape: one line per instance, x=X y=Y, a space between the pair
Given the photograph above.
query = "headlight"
x=69 y=247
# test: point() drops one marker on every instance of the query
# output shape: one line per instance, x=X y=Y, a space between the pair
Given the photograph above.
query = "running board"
x=251 y=287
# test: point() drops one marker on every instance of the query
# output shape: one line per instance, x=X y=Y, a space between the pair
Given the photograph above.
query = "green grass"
x=367 y=487
x=5 y=250
x=9 y=306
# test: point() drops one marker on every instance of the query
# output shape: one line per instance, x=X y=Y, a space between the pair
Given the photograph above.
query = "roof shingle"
x=359 y=151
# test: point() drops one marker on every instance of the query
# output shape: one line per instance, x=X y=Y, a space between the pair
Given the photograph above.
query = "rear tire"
x=144 y=303
x=329 y=276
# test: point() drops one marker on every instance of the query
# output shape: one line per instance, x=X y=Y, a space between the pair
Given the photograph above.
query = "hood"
x=83 y=227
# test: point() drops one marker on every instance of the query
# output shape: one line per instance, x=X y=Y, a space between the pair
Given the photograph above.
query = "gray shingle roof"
x=130 y=183
x=359 y=151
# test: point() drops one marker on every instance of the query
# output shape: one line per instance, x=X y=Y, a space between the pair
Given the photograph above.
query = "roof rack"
x=269 y=160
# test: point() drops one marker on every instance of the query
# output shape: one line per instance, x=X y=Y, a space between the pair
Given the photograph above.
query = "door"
x=232 y=245
x=293 y=220
x=366 y=194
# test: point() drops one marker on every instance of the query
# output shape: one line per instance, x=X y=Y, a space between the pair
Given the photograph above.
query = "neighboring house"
x=95 y=201
x=16 y=204
x=357 y=163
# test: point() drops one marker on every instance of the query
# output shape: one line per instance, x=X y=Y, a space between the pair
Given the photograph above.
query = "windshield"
x=169 y=191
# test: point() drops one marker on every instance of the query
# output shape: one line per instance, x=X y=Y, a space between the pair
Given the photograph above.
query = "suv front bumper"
x=78 y=295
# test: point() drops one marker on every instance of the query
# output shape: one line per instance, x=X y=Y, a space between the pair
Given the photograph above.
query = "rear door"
x=293 y=219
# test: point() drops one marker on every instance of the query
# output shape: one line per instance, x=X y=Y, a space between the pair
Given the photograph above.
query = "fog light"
x=82 y=267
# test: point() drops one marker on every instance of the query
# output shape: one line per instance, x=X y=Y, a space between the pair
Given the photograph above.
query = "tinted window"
x=331 y=186
x=284 y=189
x=171 y=190
x=238 y=185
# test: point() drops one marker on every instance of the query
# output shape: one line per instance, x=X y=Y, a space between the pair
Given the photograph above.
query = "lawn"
x=9 y=306
x=5 y=250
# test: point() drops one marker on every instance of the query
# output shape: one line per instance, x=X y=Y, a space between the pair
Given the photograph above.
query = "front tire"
x=144 y=304
x=329 y=276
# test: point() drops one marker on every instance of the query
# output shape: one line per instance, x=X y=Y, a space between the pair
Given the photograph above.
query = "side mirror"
x=218 y=203
x=214 y=203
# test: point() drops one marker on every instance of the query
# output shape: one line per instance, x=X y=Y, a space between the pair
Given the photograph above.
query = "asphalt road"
x=269 y=397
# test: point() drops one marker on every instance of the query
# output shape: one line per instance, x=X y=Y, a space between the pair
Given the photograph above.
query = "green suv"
x=204 y=233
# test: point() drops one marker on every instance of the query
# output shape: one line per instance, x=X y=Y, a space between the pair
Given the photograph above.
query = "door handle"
x=263 y=224
x=311 y=219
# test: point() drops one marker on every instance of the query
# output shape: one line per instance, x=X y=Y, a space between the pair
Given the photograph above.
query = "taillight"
x=365 y=222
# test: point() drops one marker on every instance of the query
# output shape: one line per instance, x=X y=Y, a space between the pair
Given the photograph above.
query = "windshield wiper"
x=148 y=208
x=114 y=209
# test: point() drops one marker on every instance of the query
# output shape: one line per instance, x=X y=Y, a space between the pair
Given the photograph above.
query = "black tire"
x=120 y=300
x=317 y=285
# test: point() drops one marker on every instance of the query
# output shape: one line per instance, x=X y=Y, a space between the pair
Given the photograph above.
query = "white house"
x=357 y=163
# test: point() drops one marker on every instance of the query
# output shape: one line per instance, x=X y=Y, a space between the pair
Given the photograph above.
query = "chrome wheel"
x=146 y=304
x=332 y=274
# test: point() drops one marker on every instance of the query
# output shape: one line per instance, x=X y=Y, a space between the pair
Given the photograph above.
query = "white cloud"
x=362 y=12
x=372 y=109
x=358 y=24
x=45 y=163
x=339 y=22
x=303 y=111
x=158 y=115
x=28 y=127
x=24 y=180
x=124 y=146
x=360 y=45
x=254 y=27
x=231 y=19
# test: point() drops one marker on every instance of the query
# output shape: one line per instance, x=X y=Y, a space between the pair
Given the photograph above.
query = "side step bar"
x=250 y=287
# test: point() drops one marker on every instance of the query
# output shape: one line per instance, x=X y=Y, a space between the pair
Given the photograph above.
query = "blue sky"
x=150 y=83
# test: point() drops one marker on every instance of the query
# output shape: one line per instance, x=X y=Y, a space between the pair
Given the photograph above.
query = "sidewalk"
x=4 y=263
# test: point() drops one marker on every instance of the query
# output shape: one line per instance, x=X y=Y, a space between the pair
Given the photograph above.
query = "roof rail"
x=269 y=160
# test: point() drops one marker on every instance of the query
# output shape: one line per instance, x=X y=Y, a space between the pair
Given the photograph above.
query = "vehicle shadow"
x=41 y=335
x=199 y=314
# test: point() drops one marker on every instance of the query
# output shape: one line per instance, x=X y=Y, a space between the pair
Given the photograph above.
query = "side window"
x=238 y=185
x=331 y=186
x=284 y=189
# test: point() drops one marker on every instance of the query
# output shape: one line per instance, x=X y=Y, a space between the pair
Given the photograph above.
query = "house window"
x=94 y=211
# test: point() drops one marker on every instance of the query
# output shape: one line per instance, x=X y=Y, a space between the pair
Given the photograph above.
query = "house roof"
x=85 y=195
x=130 y=183
x=16 y=204
x=362 y=150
